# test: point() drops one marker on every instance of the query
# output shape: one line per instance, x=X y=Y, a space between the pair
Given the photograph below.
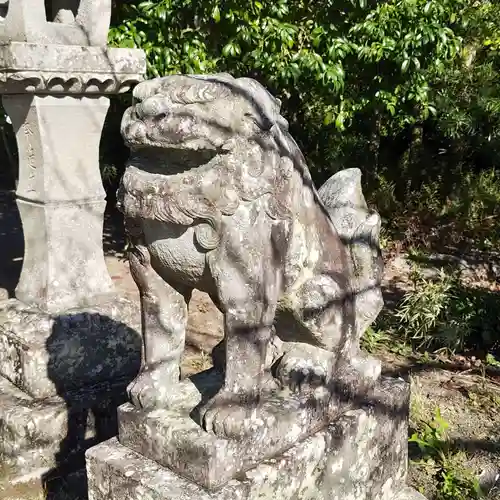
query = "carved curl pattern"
x=256 y=160
x=64 y=83
x=203 y=196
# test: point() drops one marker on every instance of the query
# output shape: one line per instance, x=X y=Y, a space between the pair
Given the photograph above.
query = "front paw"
x=305 y=367
x=142 y=392
x=151 y=388
x=226 y=413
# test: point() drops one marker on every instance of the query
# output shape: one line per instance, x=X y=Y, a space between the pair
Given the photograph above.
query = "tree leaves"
x=355 y=54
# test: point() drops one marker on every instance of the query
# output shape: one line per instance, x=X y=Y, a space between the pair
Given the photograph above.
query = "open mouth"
x=170 y=159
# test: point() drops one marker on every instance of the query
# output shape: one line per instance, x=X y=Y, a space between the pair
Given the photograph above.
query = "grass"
x=440 y=314
x=440 y=465
x=374 y=340
x=441 y=318
x=195 y=361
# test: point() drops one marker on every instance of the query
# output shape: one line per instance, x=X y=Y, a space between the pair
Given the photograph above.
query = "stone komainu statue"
x=218 y=197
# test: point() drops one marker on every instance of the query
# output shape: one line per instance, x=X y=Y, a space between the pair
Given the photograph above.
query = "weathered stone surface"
x=174 y=439
x=360 y=456
x=45 y=354
x=217 y=197
x=67 y=334
x=70 y=22
x=63 y=69
x=30 y=431
x=64 y=264
x=73 y=370
x=39 y=435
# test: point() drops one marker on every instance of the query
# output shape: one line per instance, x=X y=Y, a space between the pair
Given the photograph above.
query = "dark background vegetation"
x=406 y=90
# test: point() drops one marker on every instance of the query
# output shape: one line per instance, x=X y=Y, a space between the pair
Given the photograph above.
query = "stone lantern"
x=66 y=332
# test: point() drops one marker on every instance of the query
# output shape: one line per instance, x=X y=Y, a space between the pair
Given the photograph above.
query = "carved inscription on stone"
x=30 y=153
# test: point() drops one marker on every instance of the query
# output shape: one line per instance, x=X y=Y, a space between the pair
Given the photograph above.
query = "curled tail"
x=359 y=229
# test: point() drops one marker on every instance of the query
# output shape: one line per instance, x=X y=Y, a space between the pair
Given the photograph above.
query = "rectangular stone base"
x=46 y=355
x=38 y=437
x=174 y=439
x=362 y=455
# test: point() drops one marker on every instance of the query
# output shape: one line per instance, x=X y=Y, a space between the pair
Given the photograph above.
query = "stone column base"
x=62 y=378
x=37 y=436
x=47 y=354
x=360 y=456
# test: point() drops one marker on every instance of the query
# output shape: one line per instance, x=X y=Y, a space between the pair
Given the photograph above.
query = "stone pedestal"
x=46 y=355
x=62 y=376
x=68 y=345
x=361 y=454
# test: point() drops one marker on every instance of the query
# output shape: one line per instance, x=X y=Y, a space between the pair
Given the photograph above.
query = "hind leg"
x=164 y=318
x=325 y=317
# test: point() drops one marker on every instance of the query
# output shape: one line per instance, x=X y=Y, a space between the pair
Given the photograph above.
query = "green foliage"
x=328 y=60
x=492 y=360
x=405 y=89
x=374 y=339
x=337 y=58
x=438 y=458
x=422 y=309
x=441 y=313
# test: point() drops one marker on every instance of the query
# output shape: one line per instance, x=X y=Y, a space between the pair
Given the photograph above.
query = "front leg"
x=164 y=318
x=248 y=290
x=247 y=374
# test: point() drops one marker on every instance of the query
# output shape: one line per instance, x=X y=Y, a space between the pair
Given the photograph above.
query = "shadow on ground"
x=104 y=346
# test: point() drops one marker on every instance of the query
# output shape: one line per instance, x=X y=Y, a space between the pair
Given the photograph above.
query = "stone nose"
x=152 y=107
x=146 y=89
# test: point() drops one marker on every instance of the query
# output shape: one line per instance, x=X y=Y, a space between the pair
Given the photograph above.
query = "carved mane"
x=204 y=194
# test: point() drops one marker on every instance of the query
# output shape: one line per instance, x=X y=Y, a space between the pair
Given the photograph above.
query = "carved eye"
x=251 y=117
x=262 y=123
